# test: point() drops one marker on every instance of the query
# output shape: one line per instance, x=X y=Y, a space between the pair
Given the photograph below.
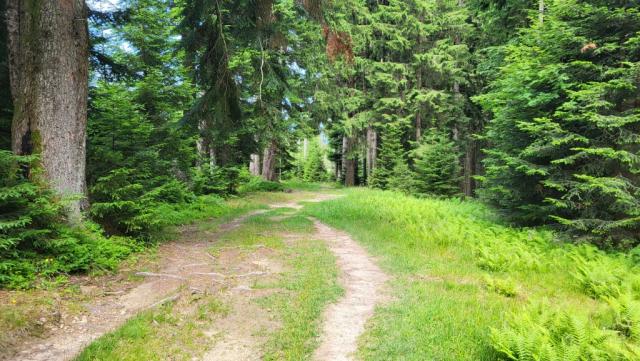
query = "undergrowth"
x=37 y=239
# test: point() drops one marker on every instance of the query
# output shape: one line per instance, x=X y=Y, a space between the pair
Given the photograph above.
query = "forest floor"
x=256 y=287
x=333 y=274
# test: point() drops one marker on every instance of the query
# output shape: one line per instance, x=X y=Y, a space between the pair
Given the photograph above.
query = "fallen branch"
x=194 y=265
x=151 y=274
x=216 y=274
x=165 y=300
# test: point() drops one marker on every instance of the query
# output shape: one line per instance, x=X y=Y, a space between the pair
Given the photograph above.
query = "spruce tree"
x=565 y=130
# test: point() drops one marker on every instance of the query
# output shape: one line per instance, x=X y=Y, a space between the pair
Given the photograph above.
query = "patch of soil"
x=363 y=281
x=182 y=266
x=238 y=275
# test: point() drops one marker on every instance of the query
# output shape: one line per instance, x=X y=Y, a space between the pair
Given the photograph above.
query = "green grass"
x=458 y=272
x=211 y=208
x=20 y=311
x=157 y=334
x=310 y=286
x=300 y=185
x=307 y=285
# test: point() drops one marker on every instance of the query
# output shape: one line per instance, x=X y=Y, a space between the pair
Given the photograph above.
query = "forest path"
x=183 y=266
x=342 y=322
x=185 y=269
x=362 y=280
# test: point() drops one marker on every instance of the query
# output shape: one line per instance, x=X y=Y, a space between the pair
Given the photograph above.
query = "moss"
x=36 y=169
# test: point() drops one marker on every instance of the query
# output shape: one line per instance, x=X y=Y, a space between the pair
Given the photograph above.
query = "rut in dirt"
x=363 y=281
x=185 y=265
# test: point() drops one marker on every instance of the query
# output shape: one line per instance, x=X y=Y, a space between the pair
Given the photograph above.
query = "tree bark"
x=468 y=186
x=49 y=64
x=372 y=150
x=348 y=163
x=305 y=148
x=419 y=110
x=269 y=162
x=541 y=11
x=254 y=164
x=201 y=144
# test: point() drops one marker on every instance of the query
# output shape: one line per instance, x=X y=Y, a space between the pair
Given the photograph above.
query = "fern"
x=539 y=334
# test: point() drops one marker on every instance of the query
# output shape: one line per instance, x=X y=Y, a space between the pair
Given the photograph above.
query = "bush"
x=603 y=276
x=36 y=239
x=500 y=255
x=216 y=180
x=402 y=179
x=313 y=166
x=257 y=184
x=251 y=183
x=624 y=317
x=125 y=205
x=504 y=287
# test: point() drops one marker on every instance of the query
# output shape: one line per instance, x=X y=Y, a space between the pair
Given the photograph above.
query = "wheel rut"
x=363 y=281
x=186 y=266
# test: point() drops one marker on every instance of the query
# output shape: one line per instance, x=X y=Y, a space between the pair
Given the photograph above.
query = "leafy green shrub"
x=36 y=239
x=251 y=183
x=402 y=179
x=504 y=287
x=624 y=314
x=313 y=166
x=544 y=335
x=603 y=276
x=391 y=157
x=257 y=184
x=499 y=256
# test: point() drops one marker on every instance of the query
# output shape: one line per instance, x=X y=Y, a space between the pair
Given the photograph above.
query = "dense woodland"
x=121 y=118
x=109 y=110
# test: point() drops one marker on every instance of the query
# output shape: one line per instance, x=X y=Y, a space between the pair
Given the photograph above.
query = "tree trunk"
x=201 y=144
x=468 y=186
x=348 y=163
x=372 y=150
x=541 y=11
x=269 y=162
x=49 y=63
x=305 y=148
x=254 y=164
x=419 y=110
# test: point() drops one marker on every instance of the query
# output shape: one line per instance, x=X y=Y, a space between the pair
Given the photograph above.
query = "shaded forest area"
x=119 y=118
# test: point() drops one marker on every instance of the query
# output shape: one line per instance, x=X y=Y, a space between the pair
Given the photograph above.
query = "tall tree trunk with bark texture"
x=254 y=164
x=469 y=184
x=348 y=163
x=49 y=64
x=269 y=162
x=372 y=150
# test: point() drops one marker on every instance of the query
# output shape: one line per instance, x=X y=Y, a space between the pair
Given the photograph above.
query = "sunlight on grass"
x=459 y=273
x=310 y=286
x=157 y=334
x=307 y=285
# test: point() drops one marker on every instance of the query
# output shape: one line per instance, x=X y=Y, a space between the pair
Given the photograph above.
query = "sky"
x=103 y=5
